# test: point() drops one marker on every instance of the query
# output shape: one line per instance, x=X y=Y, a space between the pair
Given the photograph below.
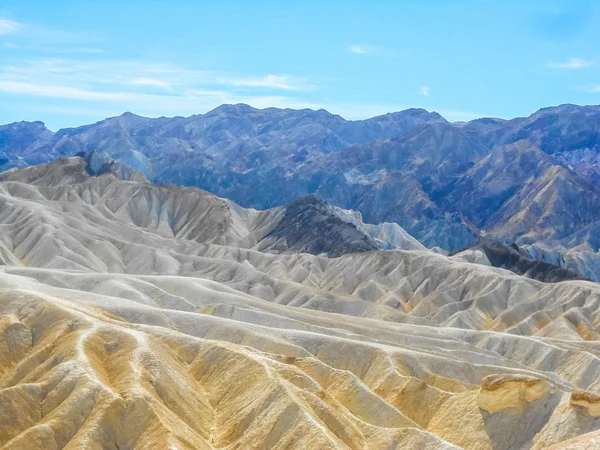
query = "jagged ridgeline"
x=136 y=315
x=532 y=181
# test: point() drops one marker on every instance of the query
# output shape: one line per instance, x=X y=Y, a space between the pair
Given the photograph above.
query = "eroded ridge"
x=135 y=316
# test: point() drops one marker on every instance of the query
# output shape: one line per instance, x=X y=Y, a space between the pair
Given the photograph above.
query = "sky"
x=69 y=63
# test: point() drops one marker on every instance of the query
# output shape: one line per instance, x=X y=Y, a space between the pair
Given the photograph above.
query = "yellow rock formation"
x=510 y=391
x=588 y=400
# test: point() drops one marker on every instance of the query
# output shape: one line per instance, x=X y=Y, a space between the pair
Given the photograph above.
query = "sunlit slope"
x=168 y=370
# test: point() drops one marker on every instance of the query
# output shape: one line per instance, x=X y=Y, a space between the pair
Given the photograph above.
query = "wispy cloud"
x=40 y=37
x=104 y=73
x=103 y=87
x=149 y=89
x=424 y=90
x=284 y=82
x=191 y=101
x=571 y=64
x=144 y=81
x=64 y=92
x=8 y=26
x=75 y=72
x=77 y=50
x=594 y=89
x=358 y=49
x=362 y=49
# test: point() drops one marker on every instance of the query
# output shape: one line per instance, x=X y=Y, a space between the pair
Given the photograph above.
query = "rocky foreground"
x=138 y=316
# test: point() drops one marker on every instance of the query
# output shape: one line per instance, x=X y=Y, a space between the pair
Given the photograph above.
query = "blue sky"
x=69 y=63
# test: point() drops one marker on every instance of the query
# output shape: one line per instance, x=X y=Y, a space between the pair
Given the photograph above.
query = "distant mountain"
x=401 y=180
x=21 y=139
x=570 y=133
x=534 y=181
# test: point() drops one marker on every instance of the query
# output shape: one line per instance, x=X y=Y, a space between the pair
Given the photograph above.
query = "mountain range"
x=141 y=315
x=532 y=181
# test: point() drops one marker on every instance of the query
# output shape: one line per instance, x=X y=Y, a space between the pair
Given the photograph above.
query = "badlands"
x=143 y=316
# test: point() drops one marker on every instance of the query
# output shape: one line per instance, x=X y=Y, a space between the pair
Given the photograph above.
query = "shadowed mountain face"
x=533 y=181
x=515 y=259
x=313 y=226
x=308 y=226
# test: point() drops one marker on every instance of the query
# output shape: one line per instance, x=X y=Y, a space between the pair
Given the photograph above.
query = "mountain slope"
x=570 y=133
x=446 y=184
x=399 y=180
x=189 y=213
x=21 y=139
x=131 y=316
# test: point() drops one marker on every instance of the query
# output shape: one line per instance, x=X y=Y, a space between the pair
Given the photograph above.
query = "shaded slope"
x=308 y=225
x=512 y=258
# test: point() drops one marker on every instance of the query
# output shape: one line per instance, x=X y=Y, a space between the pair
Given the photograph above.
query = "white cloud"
x=359 y=50
x=102 y=73
x=284 y=82
x=8 y=26
x=75 y=72
x=36 y=36
x=128 y=86
x=572 y=64
x=362 y=49
x=77 y=50
x=144 y=81
x=48 y=90
x=424 y=90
